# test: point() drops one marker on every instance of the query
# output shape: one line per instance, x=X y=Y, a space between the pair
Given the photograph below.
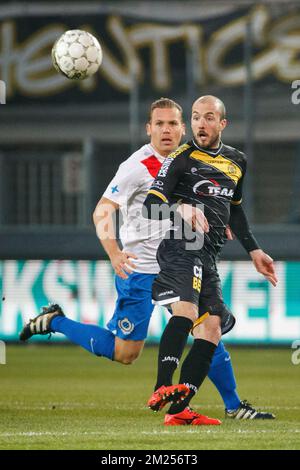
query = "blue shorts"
x=133 y=307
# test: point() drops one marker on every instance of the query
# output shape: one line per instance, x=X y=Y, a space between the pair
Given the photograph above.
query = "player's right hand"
x=122 y=264
x=264 y=264
x=194 y=217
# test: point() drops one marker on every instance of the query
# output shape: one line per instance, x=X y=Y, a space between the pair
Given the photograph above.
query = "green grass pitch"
x=61 y=397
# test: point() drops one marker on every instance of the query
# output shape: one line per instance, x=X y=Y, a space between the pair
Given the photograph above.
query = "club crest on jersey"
x=126 y=326
x=231 y=169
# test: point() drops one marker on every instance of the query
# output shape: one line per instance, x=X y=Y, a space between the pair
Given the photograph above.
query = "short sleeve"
x=124 y=183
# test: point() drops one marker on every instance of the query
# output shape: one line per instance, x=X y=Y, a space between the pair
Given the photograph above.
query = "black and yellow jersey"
x=212 y=178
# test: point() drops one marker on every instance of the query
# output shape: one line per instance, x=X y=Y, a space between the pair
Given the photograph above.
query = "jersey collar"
x=213 y=152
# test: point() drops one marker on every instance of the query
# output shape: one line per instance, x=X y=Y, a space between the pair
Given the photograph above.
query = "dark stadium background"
x=61 y=142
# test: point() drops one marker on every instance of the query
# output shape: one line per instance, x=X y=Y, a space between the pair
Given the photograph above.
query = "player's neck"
x=157 y=153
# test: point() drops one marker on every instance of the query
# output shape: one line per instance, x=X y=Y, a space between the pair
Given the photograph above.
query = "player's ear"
x=148 y=129
x=223 y=124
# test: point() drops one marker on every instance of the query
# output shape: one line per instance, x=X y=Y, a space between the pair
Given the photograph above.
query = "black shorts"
x=185 y=277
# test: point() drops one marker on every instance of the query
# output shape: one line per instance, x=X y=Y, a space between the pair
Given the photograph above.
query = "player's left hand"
x=264 y=264
x=229 y=233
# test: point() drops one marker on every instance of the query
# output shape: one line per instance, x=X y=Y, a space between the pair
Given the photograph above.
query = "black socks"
x=171 y=347
x=194 y=369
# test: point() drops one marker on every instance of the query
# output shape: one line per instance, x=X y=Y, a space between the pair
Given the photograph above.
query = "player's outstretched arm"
x=103 y=217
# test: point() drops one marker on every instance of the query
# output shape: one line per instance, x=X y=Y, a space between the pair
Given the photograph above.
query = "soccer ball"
x=77 y=54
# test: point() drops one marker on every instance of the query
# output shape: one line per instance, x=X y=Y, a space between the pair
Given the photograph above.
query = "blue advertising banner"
x=85 y=290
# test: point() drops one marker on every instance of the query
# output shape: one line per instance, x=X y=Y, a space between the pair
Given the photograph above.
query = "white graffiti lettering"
x=26 y=66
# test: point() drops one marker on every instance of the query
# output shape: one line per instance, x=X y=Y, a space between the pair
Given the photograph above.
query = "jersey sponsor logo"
x=195 y=171
x=126 y=326
x=220 y=163
x=197 y=278
x=203 y=185
x=164 y=168
x=157 y=184
x=211 y=188
x=198 y=271
x=197 y=284
x=218 y=191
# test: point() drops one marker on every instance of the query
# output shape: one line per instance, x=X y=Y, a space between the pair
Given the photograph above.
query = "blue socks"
x=93 y=338
x=222 y=376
